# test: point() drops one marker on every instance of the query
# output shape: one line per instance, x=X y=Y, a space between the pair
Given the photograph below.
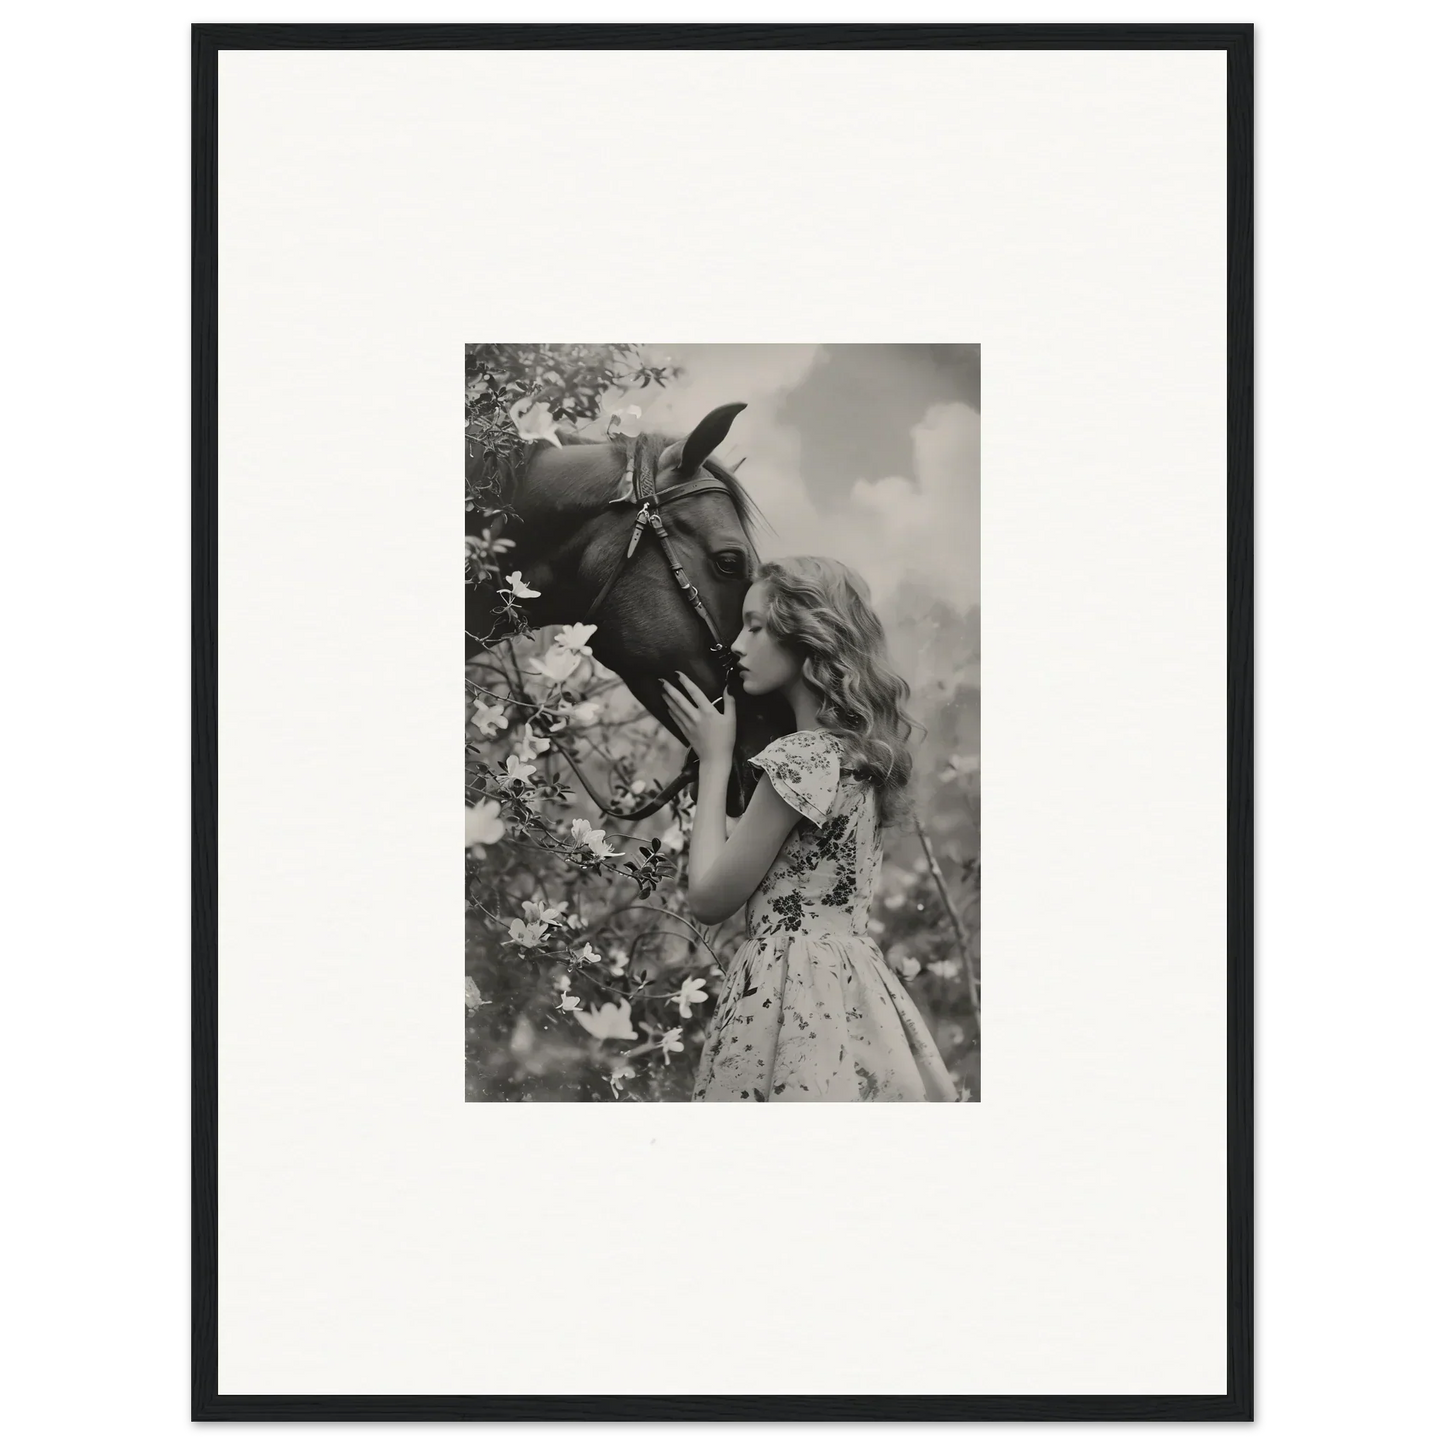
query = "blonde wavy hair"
x=821 y=611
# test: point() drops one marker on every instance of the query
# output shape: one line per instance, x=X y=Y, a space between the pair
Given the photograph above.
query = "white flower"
x=574 y=920
x=947 y=968
x=584 y=714
x=691 y=992
x=535 y=423
x=894 y=900
x=527 y=935
x=570 y=1002
x=671 y=1041
x=909 y=968
x=875 y=927
x=597 y=842
x=621 y=1072
x=557 y=665
x=637 y=787
x=517 y=770
x=588 y=954
x=484 y=825
x=674 y=840
x=488 y=718
x=628 y=420
x=488 y=543
x=574 y=638
x=474 y=995
x=517 y=587
x=594 y=838
x=617 y=962
x=529 y=745
x=541 y=913
x=611 y=1021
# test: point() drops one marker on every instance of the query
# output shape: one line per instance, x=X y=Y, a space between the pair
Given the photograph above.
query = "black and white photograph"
x=722 y=303
x=722 y=723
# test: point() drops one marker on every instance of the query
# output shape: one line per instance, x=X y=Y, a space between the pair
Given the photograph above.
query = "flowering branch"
x=549 y=891
x=958 y=933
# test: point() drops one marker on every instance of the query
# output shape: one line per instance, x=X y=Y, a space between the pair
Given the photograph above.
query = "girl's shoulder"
x=813 y=738
x=811 y=750
x=818 y=747
x=804 y=768
x=812 y=746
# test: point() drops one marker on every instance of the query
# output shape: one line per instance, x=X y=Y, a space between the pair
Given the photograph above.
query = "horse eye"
x=730 y=564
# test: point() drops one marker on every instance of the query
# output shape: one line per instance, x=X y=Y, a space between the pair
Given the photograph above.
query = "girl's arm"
x=723 y=871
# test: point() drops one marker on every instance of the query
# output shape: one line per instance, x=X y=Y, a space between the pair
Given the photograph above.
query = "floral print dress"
x=808 y=1009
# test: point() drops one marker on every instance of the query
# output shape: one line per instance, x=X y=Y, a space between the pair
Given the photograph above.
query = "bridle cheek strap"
x=643 y=469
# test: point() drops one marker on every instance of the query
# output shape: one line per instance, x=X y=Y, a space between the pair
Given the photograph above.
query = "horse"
x=651 y=540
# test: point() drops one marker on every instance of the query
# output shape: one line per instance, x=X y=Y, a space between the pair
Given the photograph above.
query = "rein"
x=647 y=809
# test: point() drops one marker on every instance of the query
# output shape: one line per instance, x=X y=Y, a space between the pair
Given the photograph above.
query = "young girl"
x=808 y=1008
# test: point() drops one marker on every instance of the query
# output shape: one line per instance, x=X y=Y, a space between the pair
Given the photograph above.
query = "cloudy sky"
x=867 y=453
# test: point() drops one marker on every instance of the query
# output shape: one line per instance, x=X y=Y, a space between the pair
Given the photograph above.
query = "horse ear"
x=706 y=437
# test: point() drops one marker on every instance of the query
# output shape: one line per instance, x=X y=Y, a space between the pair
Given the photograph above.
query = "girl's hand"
x=709 y=733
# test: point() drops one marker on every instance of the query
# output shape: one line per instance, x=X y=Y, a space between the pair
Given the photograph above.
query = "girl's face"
x=764 y=664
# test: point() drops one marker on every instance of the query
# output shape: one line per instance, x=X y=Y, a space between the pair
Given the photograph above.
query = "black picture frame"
x=1236 y=1403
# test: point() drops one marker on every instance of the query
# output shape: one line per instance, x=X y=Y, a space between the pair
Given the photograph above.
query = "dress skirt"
x=818 y=1018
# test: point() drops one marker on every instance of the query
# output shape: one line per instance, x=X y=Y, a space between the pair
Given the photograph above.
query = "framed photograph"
x=798 y=425
x=600 y=967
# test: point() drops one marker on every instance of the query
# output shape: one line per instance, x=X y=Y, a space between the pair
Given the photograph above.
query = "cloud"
x=761 y=376
x=922 y=529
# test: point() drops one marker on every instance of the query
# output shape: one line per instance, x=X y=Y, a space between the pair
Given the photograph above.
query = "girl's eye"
x=730 y=564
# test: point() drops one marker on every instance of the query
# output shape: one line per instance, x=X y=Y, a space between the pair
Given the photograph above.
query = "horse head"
x=573 y=519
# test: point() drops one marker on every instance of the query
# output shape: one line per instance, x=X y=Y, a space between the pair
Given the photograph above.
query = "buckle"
x=642 y=519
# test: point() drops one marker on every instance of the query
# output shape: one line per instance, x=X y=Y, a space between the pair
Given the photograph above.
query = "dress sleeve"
x=804 y=771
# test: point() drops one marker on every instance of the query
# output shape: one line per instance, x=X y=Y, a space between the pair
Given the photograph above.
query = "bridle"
x=639 y=485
